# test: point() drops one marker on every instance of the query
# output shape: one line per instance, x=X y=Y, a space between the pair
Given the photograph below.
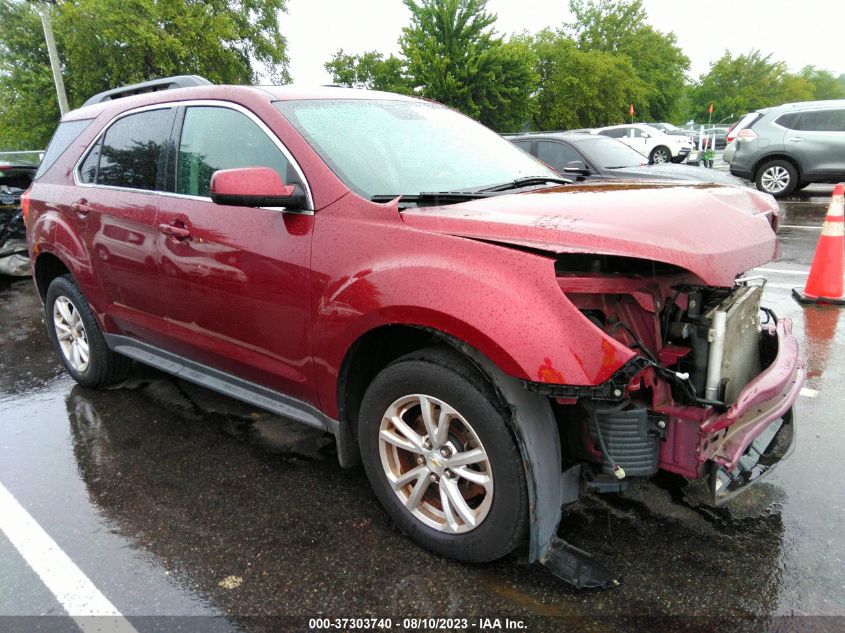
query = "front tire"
x=77 y=337
x=660 y=155
x=777 y=177
x=441 y=458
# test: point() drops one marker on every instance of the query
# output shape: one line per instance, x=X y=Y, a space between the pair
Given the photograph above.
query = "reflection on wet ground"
x=246 y=514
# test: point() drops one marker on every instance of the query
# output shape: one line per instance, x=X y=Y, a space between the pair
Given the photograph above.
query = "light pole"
x=54 y=55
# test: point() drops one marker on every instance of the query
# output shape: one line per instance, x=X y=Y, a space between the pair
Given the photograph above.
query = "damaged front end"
x=708 y=394
x=714 y=371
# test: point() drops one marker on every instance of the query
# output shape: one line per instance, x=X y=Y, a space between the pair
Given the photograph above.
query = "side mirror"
x=255 y=187
x=576 y=167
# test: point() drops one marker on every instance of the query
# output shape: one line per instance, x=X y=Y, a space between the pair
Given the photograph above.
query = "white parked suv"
x=658 y=146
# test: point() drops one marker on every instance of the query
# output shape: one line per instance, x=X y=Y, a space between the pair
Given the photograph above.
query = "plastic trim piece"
x=155 y=85
x=222 y=382
x=535 y=430
x=614 y=389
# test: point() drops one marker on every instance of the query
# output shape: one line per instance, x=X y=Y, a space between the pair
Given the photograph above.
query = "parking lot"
x=170 y=500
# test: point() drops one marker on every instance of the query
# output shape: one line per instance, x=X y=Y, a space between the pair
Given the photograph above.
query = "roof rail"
x=168 y=83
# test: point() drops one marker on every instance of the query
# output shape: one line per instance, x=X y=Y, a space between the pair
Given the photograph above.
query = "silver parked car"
x=791 y=146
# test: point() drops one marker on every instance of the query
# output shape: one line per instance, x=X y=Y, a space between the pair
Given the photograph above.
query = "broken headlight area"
x=708 y=393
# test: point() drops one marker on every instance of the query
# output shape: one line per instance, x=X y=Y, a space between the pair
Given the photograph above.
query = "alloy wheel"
x=775 y=179
x=660 y=156
x=71 y=334
x=435 y=463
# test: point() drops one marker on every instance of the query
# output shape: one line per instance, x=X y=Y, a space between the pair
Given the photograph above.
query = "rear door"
x=115 y=207
x=817 y=142
x=236 y=279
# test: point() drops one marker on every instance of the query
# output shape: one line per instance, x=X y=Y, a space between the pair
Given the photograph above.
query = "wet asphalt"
x=176 y=501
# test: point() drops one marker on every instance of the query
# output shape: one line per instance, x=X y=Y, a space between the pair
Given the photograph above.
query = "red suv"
x=485 y=336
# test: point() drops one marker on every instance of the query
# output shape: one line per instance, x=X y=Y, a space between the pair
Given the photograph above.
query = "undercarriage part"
x=576 y=566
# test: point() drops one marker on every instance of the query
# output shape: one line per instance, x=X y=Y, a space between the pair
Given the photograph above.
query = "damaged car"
x=487 y=338
x=16 y=172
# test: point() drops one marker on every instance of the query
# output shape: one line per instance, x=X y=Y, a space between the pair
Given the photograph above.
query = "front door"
x=236 y=278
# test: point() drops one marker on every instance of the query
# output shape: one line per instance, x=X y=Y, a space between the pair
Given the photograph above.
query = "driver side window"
x=220 y=138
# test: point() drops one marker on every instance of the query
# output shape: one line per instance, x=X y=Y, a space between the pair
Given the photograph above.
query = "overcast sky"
x=803 y=33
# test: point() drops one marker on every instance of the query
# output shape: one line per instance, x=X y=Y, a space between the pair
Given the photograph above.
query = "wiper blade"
x=434 y=196
x=526 y=181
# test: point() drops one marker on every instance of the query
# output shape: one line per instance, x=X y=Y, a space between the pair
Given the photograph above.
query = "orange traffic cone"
x=824 y=285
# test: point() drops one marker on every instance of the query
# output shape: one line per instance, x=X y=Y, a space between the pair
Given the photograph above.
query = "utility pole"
x=54 y=56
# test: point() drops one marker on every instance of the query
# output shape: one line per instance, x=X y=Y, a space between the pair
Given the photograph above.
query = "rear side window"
x=219 y=138
x=64 y=135
x=822 y=121
x=132 y=152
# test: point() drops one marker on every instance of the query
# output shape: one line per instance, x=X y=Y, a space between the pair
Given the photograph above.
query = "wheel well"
x=770 y=157
x=47 y=268
x=368 y=356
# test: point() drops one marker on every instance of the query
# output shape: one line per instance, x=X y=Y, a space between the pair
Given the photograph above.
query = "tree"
x=108 y=43
x=825 y=84
x=620 y=27
x=453 y=55
x=369 y=70
x=580 y=88
x=740 y=84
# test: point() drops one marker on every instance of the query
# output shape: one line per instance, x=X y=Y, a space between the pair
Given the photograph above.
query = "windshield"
x=379 y=147
x=608 y=153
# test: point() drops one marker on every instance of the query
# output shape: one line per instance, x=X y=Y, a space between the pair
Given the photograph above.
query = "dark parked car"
x=595 y=157
x=477 y=331
x=791 y=146
x=16 y=172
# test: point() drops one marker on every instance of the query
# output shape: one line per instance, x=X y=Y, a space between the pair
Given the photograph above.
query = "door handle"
x=795 y=139
x=81 y=208
x=176 y=231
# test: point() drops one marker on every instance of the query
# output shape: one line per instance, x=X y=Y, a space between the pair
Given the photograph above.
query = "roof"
x=227 y=92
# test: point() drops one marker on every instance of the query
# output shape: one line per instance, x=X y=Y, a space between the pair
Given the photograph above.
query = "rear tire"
x=458 y=490
x=777 y=177
x=78 y=338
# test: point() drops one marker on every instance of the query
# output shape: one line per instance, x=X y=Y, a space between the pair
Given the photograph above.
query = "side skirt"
x=223 y=382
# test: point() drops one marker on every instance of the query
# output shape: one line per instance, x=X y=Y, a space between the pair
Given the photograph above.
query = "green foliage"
x=582 y=88
x=454 y=56
x=104 y=44
x=823 y=82
x=369 y=70
x=450 y=53
x=619 y=27
x=736 y=85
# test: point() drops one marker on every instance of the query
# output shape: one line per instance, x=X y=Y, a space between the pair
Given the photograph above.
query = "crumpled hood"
x=714 y=232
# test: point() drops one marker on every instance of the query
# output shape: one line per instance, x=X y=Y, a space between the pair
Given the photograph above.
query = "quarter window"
x=789 y=121
x=132 y=152
x=220 y=138
x=615 y=133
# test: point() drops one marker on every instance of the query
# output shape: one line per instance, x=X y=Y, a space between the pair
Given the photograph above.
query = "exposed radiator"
x=734 y=343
